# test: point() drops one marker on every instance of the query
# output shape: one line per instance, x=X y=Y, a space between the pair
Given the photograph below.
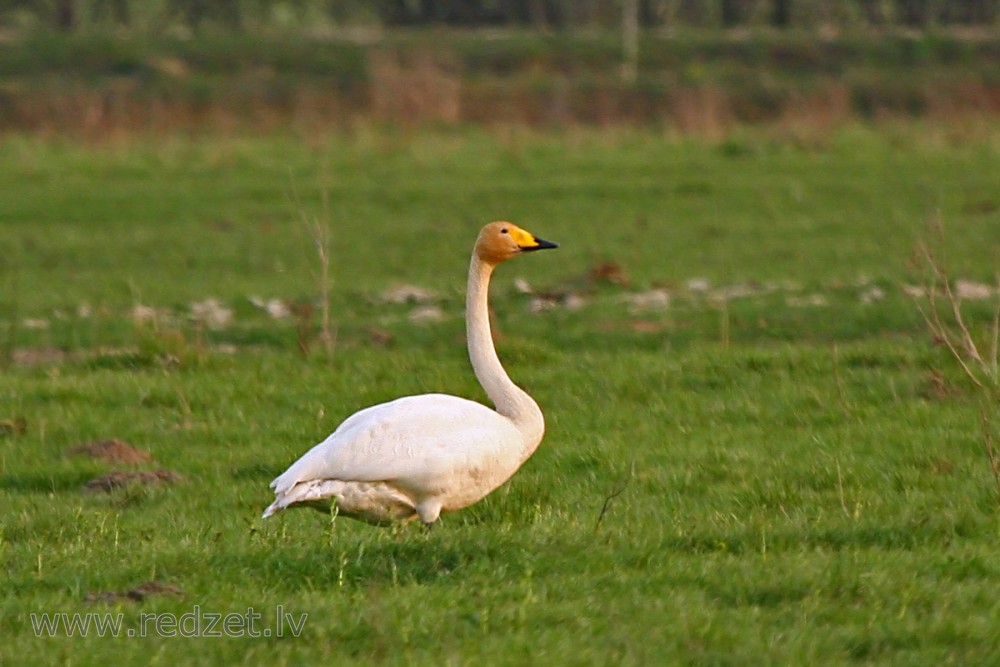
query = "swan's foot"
x=429 y=510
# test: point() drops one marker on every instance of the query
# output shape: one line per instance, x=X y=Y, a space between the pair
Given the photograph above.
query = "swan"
x=418 y=456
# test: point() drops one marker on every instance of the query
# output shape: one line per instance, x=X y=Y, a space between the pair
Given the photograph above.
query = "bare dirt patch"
x=112 y=451
x=114 y=480
x=13 y=426
x=608 y=272
x=40 y=355
x=137 y=594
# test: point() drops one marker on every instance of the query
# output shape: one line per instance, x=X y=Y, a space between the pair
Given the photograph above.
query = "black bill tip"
x=541 y=245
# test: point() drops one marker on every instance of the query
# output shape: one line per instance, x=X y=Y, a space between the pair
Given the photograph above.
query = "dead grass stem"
x=951 y=329
x=318 y=228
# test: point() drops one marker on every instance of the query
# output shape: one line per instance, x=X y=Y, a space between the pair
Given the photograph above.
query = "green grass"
x=804 y=476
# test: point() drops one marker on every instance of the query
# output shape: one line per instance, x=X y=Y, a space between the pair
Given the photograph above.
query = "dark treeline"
x=76 y=15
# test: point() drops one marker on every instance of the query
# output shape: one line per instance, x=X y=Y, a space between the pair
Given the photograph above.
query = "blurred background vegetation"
x=96 y=67
x=156 y=15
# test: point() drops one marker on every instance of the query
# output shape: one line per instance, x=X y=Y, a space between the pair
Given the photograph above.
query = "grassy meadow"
x=755 y=451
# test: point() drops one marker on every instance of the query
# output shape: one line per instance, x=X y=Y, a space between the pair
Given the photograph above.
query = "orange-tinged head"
x=499 y=241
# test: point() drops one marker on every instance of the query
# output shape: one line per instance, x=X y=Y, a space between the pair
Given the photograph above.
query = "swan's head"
x=499 y=241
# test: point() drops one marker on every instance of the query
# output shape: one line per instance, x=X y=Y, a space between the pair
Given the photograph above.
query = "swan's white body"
x=418 y=456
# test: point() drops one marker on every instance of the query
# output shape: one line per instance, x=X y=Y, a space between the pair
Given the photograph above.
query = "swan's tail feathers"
x=281 y=490
x=282 y=483
x=278 y=505
x=316 y=494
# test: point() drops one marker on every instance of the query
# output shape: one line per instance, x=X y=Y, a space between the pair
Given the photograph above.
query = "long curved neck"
x=510 y=400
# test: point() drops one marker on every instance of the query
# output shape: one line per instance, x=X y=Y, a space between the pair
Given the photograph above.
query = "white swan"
x=422 y=455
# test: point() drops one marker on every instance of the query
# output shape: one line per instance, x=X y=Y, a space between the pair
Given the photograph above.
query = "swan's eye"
x=504 y=231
